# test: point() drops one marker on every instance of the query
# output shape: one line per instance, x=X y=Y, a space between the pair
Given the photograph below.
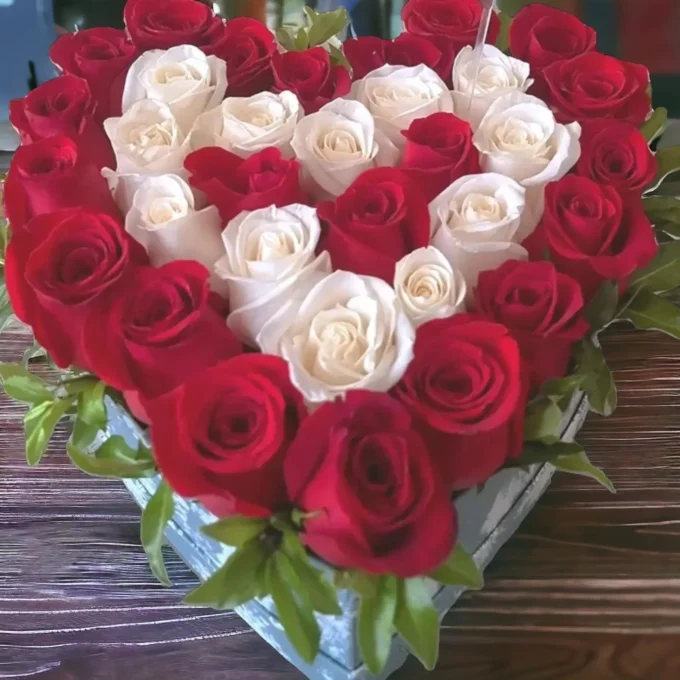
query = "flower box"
x=488 y=518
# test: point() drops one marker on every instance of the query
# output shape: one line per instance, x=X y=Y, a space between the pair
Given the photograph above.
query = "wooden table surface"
x=589 y=588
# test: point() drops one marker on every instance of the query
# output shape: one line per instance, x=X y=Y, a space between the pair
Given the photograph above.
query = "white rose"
x=520 y=138
x=246 y=125
x=398 y=95
x=496 y=76
x=347 y=334
x=428 y=287
x=475 y=223
x=270 y=258
x=164 y=219
x=182 y=77
x=147 y=140
x=337 y=144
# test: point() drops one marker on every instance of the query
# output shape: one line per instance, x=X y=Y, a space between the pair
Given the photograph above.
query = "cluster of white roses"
x=339 y=331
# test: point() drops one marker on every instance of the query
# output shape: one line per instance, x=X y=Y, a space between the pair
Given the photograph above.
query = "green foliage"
x=597 y=380
x=663 y=273
x=39 y=424
x=236 y=530
x=543 y=418
x=375 y=625
x=417 y=621
x=236 y=582
x=294 y=610
x=664 y=214
x=565 y=456
x=114 y=458
x=648 y=311
x=668 y=162
x=655 y=125
x=601 y=310
x=155 y=518
x=325 y=25
x=503 y=40
x=459 y=570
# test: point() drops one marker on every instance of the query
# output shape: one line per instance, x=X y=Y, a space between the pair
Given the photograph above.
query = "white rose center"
x=475 y=208
x=156 y=134
x=274 y=246
x=392 y=95
x=338 y=347
x=340 y=144
x=493 y=77
x=260 y=114
x=162 y=210
x=169 y=74
x=428 y=285
x=520 y=137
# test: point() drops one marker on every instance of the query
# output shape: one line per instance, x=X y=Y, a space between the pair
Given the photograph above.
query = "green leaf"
x=417 y=621
x=296 y=615
x=13 y=370
x=91 y=407
x=459 y=570
x=155 y=518
x=35 y=351
x=338 y=57
x=313 y=584
x=663 y=273
x=535 y=453
x=598 y=381
x=116 y=449
x=601 y=310
x=30 y=390
x=301 y=40
x=503 y=40
x=561 y=390
x=668 y=163
x=361 y=583
x=6 y=311
x=543 y=419
x=39 y=425
x=286 y=38
x=109 y=466
x=235 y=583
x=327 y=25
x=655 y=125
x=663 y=212
x=648 y=311
x=4 y=238
x=83 y=433
x=375 y=626
x=236 y=530
x=578 y=464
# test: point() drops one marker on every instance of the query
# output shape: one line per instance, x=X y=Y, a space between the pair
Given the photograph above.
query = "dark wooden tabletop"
x=588 y=589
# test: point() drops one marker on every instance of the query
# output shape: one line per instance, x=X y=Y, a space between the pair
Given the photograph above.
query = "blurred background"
x=644 y=31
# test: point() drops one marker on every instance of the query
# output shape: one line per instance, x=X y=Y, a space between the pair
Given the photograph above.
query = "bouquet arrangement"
x=341 y=283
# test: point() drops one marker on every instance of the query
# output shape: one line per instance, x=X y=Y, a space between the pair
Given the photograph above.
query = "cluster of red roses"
x=229 y=427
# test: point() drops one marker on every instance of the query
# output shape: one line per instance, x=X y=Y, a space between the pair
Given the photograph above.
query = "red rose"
x=439 y=151
x=465 y=389
x=543 y=309
x=234 y=184
x=311 y=76
x=154 y=25
x=455 y=20
x=102 y=56
x=159 y=331
x=381 y=506
x=368 y=53
x=542 y=35
x=594 y=85
x=49 y=175
x=616 y=153
x=63 y=107
x=378 y=220
x=223 y=435
x=60 y=269
x=591 y=234
x=247 y=47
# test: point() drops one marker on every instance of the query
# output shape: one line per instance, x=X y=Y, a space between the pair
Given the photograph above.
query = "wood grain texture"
x=589 y=588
